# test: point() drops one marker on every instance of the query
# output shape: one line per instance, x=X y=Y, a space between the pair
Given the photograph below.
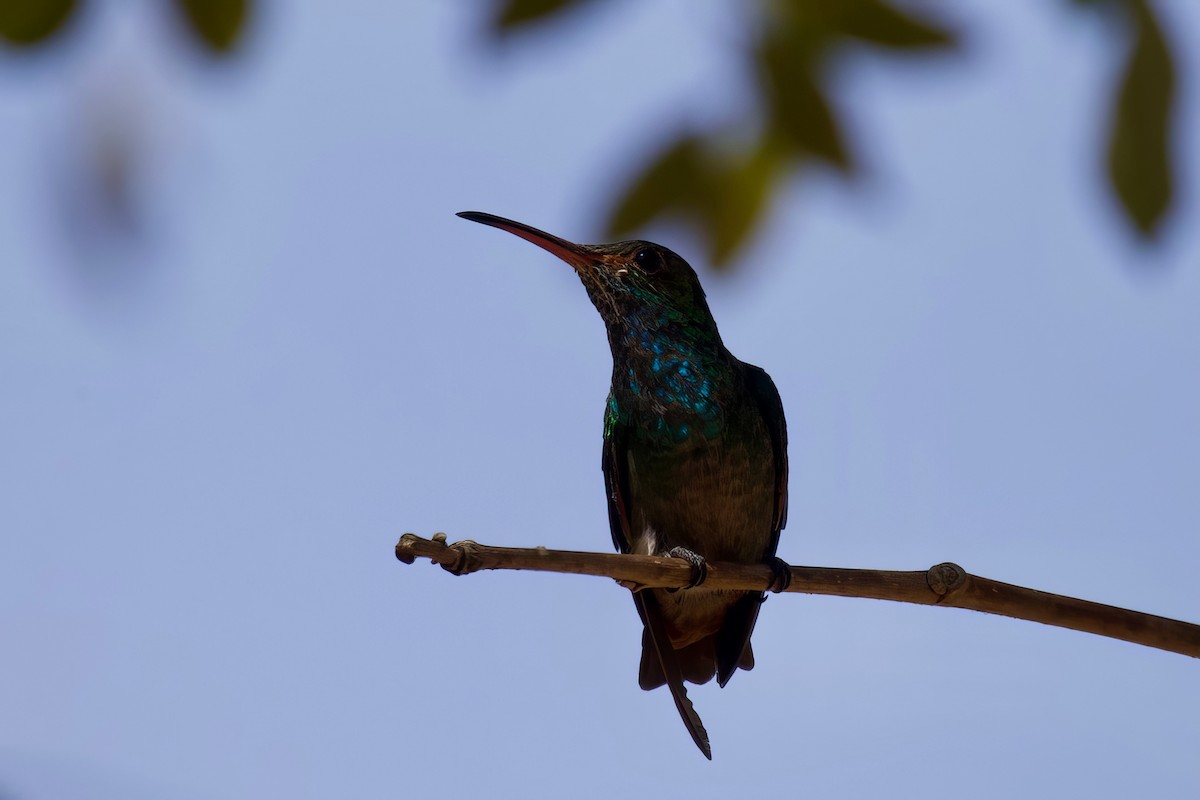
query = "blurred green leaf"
x=885 y=25
x=515 y=13
x=726 y=192
x=674 y=178
x=218 y=24
x=721 y=195
x=736 y=201
x=798 y=109
x=1139 y=161
x=28 y=22
x=813 y=26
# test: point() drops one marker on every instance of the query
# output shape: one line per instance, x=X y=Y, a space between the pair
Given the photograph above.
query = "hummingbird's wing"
x=762 y=388
x=615 y=464
x=733 y=640
x=616 y=482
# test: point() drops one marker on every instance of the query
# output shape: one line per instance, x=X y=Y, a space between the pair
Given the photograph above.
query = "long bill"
x=573 y=254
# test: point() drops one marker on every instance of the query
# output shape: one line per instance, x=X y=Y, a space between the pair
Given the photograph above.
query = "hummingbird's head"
x=634 y=285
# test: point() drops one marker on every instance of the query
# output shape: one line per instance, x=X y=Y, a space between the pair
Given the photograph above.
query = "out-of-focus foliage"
x=107 y=159
x=723 y=190
x=721 y=181
x=28 y=22
x=517 y=12
x=217 y=24
x=1139 y=163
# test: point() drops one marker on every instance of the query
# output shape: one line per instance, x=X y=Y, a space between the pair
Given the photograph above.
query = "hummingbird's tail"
x=652 y=616
x=697 y=662
x=721 y=653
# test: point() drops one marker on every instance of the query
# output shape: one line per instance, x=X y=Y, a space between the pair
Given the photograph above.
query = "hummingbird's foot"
x=699 y=567
x=782 y=574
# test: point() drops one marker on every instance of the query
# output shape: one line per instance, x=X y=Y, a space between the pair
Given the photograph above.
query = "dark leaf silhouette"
x=29 y=22
x=672 y=181
x=723 y=188
x=217 y=24
x=799 y=110
x=1139 y=163
x=886 y=26
x=737 y=200
x=515 y=13
x=722 y=194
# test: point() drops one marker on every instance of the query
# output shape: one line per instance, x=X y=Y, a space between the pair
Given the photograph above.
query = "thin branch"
x=942 y=585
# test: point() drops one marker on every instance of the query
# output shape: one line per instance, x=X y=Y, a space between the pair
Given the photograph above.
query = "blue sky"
x=306 y=355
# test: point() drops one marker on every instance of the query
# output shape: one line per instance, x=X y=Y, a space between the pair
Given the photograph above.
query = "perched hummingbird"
x=695 y=456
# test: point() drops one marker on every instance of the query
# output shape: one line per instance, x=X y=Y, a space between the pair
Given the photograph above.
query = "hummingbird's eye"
x=648 y=260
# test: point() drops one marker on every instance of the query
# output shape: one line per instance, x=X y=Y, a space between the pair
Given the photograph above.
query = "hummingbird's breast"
x=714 y=496
x=676 y=387
x=701 y=463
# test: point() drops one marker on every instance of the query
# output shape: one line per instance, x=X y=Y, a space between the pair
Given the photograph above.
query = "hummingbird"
x=694 y=457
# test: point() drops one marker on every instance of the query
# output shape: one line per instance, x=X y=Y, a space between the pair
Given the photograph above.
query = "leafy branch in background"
x=106 y=160
x=217 y=25
x=1139 y=149
x=30 y=23
x=722 y=182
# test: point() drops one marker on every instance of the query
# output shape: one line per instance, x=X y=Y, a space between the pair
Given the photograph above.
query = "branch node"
x=946 y=578
x=466 y=557
x=405 y=548
x=457 y=558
